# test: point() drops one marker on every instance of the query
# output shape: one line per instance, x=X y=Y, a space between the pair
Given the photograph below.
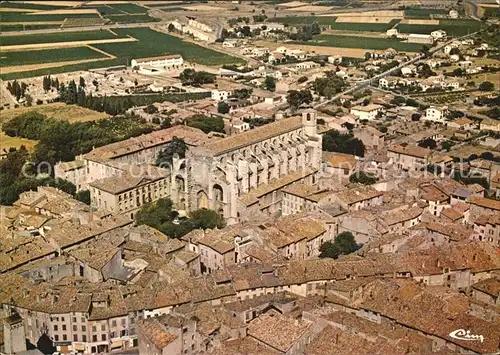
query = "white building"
x=368 y=112
x=438 y=35
x=154 y=64
x=230 y=43
x=420 y=38
x=392 y=32
x=409 y=69
x=220 y=95
x=335 y=59
x=453 y=14
x=436 y=114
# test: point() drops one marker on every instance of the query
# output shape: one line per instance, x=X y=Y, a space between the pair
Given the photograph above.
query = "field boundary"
x=31 y=67
x=37 y=46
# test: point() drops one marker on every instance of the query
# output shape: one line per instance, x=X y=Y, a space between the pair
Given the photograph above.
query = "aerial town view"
x=266 y=177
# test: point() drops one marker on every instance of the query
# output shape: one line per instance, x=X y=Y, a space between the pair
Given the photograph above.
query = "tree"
x=162 y=216
x=192 y=77
x=334 y=141
x=428 y=143
x=83 y=196
x=222 y=107
x=171 y=28
x=270 y=83
x=368 y=56
x=296 y=98
x=150 y=109
x=302 y=79
x=486 y=86
x=82 y=82
x=329 y=85
x=176 y=146
x=343 y=244
x=204 y=218
x=206 y=124
x=360 y=177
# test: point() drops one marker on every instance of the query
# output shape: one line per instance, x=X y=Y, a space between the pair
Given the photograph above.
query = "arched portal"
x=218 y=193
x=202 y=199
x=179 y=181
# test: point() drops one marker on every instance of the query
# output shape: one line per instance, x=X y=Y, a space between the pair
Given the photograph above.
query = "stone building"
x=245 y=173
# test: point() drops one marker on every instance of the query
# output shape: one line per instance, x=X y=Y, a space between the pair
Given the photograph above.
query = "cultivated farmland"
x=368 y=27
x=149 y=43
x=152 y=43
x=21 y=5
x=130 y=8
x=48 y=56
x=423 y=13
x=455 y=28
x=58 y=111
x=56 y=37
x=366 y=43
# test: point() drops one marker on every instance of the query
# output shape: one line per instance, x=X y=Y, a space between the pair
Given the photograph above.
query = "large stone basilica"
x=242 y=175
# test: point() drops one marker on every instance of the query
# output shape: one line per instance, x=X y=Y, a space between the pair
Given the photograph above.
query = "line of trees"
x=17 y=89
x=334 y=141
x=48 y=83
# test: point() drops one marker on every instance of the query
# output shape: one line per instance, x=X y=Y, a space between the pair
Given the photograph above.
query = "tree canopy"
x=270 y=83
x=222 y=107
x=162 y=216
x=176 y=146
x=196 y=78
x=334 y=141
x=206 y=124
x=486 y=86
x=296 y=98
x=360 y=177
x=329 y=85
x=343 y=244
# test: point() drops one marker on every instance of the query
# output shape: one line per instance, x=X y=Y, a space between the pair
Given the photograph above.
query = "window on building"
x=56 y=337
x=64 y=327
x=94 y=338
x=84 y=338
x=55 y=327
x=65 y=337
x=113 y=323
x=75 y=337
x=103 y=337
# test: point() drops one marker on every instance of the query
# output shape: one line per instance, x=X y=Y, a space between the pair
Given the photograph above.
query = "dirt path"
x=36 y=46
x=21 y=68
x=103 y=52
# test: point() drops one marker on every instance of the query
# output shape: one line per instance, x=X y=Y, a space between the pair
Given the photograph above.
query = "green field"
x=104 y=9
x=130 y=8
x=132 y=18
x=26 y=17
x=152 y=43
x=362 y=42
x=172 y=9
x=492 y=12
x=56 y=37
x=367 y=27
x=341 y=26
x=21 y=5
x=454 y=28
x=47 y=56
x=29 y=27
x=305 y=20
x=423 y=13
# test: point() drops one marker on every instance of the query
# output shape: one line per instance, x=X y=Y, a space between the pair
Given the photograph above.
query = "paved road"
x=368 y=82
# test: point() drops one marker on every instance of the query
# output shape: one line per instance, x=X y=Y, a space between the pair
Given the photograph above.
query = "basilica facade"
x=243 y=174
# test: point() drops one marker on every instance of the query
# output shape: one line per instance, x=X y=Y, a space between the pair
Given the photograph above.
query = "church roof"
x=253 y=136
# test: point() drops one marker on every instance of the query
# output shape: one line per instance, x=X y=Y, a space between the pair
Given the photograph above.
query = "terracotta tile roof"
x=222 y=241
x=245 y=346
x=192 y=136
x=358 y=194
x=253 y=195
x=71 y=165
x=155 y=333
x=270 y=329
x=310 y=192
x=133 y=177
x=490 y=286
x=485 y=202
x=452 y=214
x=455 y=232
x=253 y=136
x=290 y=229
x=411 y=150
x=485 y=219
x=340 y=160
